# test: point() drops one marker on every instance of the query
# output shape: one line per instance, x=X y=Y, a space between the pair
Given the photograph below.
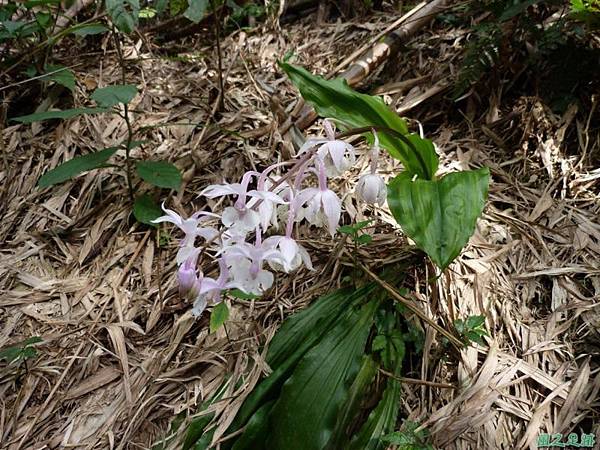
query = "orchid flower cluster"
x=248 y=244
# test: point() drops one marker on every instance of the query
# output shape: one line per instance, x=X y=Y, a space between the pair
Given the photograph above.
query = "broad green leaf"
x=111 y=95
x=60 y=75
x=87 y=29
x=218 y=316
x=145 y=210
x=305 y=415
x=9 y=354
x=351 y=410
x=31 y=3
x=297 y=335
x=75 y=166
x=196 y=9
x=43 y=19
x=408 y=438
x=147 y=13
x=255 y=431
x=364 y=239
x=475 y=321
x=383 y=418
x=159 y=173
x=336 y=100
x=439 y=215
x=12 y=26
x=64 y=114
x=28 y=353
x=176 y=7
x=516 y=9
x=378 y=343
x=124 y=14
x=347 y=229
x=33 y=340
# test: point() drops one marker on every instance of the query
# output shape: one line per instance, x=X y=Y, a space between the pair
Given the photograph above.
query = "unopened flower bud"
x=371 y=189
x=187 y=278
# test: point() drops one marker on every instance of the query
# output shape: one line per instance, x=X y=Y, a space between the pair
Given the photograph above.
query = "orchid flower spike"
x=337 y=155
x=191 y=228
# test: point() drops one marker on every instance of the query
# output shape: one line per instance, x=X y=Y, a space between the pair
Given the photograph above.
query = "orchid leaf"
x=305 y=415
x=439 y=215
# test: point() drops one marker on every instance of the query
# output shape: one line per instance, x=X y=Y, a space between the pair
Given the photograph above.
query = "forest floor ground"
x=121 y=354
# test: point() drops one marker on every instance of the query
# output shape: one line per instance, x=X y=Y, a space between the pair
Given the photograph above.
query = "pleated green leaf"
x=312 y=399
x=439 y=215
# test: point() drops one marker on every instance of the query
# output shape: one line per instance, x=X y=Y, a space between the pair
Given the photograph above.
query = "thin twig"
x=416 y=381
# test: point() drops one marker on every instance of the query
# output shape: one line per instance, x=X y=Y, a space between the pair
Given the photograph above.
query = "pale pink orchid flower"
x=241 y=216
x=293 y=254
x=246 y=264
x=192 y=229
x=209 y=291
x=337 y=155
x=324 y=206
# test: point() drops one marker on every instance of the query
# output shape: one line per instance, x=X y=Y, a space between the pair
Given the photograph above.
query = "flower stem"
x=125 y=115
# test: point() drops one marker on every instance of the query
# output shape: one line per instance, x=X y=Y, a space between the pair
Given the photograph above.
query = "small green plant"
x=28 y=33
x=18 y=355
x=22 y=352
x=354 y=231
x=587 y=11
x=158 y=173
x=471 y=329
x=112 y=99
x=358 y=238
x=409 y=438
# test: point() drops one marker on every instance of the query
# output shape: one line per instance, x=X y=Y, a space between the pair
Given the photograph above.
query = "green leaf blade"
x=145 y=210
x=218 y=316
x=196 y=10
x=439 y=215
x=57 y=114
x=75 y=166
x=109 y=96
x=159 y=173
x=124 y=14
x=60 y=75
x=87 y=29
x=305 y=415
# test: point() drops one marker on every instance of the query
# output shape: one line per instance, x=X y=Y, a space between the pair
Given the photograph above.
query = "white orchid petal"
x=199 y=306
x=332 y=208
